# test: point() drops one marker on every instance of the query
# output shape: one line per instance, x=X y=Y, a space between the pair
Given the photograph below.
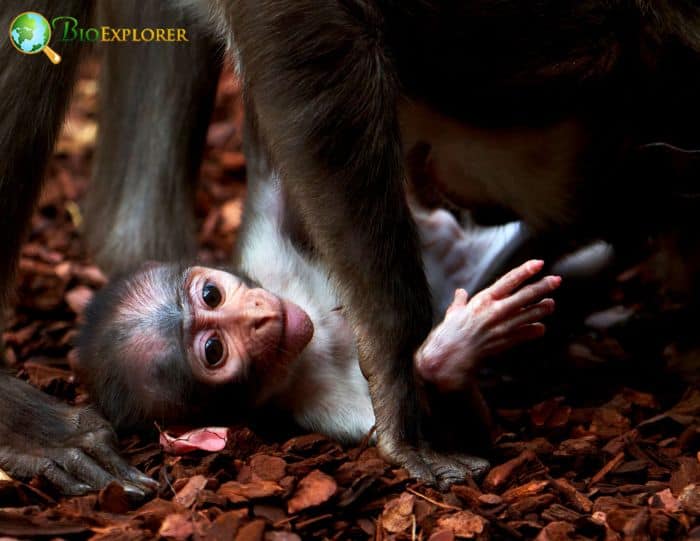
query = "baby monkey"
x=184 y=343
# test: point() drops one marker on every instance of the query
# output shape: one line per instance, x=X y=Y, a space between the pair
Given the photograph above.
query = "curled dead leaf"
x=211 y=439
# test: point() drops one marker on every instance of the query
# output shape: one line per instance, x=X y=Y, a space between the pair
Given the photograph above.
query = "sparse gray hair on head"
x=131 y=353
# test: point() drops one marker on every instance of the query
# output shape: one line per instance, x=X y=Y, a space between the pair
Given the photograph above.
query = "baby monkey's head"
x=170 y=343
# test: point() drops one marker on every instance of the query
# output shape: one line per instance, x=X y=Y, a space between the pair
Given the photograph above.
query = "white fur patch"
x=326 y=391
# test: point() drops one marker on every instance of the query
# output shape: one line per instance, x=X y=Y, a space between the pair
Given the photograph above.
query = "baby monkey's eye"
x=213 y=351
x=211 y=295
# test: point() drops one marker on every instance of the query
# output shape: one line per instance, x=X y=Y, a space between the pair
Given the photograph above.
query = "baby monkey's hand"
x=493 y=321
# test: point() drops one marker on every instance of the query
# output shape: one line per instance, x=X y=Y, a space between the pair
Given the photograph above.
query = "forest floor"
x=598 y=428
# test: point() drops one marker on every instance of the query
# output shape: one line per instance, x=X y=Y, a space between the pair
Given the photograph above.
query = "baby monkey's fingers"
x=513 y=279
x=528 y=295
x=524 y=333
x=530 y=314
x=460 y=300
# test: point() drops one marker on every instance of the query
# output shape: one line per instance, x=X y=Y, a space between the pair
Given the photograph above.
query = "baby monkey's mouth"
x=297 y=329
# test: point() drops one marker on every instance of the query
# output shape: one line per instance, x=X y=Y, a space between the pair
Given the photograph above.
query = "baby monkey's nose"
x=264 y=324
x=264 y=312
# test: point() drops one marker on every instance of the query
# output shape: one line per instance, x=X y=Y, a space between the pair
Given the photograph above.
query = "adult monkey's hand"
x=72 y=447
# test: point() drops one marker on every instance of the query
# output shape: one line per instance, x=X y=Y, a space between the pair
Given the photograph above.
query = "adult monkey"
x=322 y=81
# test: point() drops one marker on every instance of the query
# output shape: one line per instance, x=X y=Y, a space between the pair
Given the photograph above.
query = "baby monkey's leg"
x=496 y=319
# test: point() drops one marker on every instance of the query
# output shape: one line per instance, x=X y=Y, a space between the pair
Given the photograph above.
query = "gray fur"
x=155 y=105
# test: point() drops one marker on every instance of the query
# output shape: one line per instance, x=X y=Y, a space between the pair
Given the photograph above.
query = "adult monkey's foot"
x=433 y=467
x=74 y=448
x=410 y=435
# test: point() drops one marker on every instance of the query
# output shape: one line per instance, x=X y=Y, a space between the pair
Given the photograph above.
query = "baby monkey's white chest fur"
x=325 y=390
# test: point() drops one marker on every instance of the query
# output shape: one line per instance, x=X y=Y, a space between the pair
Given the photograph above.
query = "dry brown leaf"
x=528 y=489
x=113 y=499
x=608 y=423
x=89 y=274
x=178 y=526
x=78 y=298
x=225 y=525
x=490 y=499
x=396 y=516
x=442 y=535
x=240 y=492
x=585 y=445
x=556 y=531
x=573 y=496
x=314 y=489
x=232 y=161
x=268 y=468
x=690 y=500
x=43 y=376
x=499 y=475
x=464 y=524
x=231 y=214
x=187 y=495
x=665 y=499
x=253 y=531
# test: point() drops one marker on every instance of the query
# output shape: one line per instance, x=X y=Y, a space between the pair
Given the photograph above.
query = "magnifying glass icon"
x=30 y=33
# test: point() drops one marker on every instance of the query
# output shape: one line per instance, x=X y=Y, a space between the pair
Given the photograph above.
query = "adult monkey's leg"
x=324 y=94
x=71 y=447
x=156 y=100
x=34 y=97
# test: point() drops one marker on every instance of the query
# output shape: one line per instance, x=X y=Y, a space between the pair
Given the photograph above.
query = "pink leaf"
x=204 y=439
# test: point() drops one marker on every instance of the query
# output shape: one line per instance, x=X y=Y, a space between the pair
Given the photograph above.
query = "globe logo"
x=30 y=33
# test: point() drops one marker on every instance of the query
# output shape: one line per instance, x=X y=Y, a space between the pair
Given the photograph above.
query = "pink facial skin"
x=498 y=318
x=256 y=330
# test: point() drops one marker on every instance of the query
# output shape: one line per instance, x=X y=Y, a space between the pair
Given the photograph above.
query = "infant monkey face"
x=232 y=329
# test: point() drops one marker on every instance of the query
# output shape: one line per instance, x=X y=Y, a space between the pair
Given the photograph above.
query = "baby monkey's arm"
x=496 y=319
